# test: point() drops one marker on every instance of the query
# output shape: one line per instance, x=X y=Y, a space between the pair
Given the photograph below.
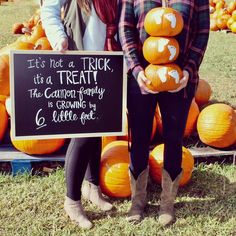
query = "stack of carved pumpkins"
x=32 y=38
x=223 y=15
x=161 y=49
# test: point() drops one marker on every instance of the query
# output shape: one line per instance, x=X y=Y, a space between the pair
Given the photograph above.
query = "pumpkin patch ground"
x=31 y=203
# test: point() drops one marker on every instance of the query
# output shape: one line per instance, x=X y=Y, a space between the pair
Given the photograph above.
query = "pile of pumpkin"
x=223 y=15
x=215 y=124
x=31 y=37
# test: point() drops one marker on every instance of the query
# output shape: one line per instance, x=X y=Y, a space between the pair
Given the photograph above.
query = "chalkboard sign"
x=76 y=94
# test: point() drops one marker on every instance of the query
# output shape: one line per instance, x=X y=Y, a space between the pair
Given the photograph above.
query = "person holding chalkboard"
x=174 y=106
x=86 y=25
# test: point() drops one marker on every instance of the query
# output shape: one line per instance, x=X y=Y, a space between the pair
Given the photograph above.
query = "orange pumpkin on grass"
x=4 y=64
x=163 y=77
x=8 y=105
x=38 y=147
x=3 y=117
x=216 y=125
x=233 y=27
x=231 y=6
x=125 y=137
x=107 y=139
x=4 y=75
x=160 y=50
x=31 y=37
x=17 y=45
x=163 y=21
x=156 y=164
x=230 y=22
x=114 y=175
x=42 y=44
x=191 y=120
x=203 y=92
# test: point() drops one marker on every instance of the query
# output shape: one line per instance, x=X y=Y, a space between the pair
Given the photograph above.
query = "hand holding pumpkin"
x=143 y=81
x=182 y=83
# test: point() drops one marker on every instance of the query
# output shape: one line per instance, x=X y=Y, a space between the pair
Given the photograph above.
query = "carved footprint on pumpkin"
x=162 y=43
x=174 y=74
x=171 y=17
x=158 y=16
x=162 y=72
x=172 y=50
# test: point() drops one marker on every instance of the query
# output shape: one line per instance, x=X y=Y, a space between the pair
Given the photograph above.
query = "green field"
x=33 y=205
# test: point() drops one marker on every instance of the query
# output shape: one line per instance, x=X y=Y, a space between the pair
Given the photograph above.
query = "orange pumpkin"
x=213 y=25
x=17 y=45
x=4 y=64
x=203 y=92
x=156 y=164
x=234 y=15
x=220 y=5
x=212 y=3
x=233 y=27
x=37 y=33
x=8 y=105
x=163 y=77
x=4 y=75
x=3 y=117
x=38 y=147
x=126 y=138
x=231 y=6
x=114 y=177
x=17 y=28
x=230 y=22
x=160 y=50
x=158 y=119
x=216 y=125
x=221 y=22
x=163 y=21
x=191 y=120
x=107 y=139
x=42 y=44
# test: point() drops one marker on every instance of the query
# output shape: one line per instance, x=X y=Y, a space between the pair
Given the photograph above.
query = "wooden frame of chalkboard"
x=74 y=94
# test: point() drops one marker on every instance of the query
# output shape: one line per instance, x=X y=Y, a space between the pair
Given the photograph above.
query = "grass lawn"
x=33 y=205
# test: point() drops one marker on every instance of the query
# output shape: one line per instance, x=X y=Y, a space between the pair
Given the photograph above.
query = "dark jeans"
x=174 y=108
x=82 y=159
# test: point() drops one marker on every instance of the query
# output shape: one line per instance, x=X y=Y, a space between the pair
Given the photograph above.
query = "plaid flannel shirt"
x=192 y=40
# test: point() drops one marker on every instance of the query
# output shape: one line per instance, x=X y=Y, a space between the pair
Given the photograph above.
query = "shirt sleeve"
x=199 y=43
x=50 y=13
x=128 y=35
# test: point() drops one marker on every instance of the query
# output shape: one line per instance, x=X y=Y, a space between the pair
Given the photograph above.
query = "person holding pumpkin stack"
x=172 y=86
x=87 y=25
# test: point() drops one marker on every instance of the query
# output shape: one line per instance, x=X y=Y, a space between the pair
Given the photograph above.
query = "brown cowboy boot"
x=168 y=195
x=138 y=197
x=76 y=213
x=93 y=193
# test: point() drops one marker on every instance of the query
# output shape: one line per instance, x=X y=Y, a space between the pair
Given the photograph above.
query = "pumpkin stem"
x=26 y=30
x=164 y=3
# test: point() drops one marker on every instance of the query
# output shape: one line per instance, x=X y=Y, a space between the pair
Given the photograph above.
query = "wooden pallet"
x=207 y=151
x=21 y=162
